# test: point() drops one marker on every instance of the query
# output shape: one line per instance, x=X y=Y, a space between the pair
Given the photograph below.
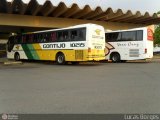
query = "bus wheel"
x=60 y=59
x=16 y=57
x=115 y=57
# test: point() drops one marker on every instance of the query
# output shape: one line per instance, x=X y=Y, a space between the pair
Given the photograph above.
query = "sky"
x=151 y=6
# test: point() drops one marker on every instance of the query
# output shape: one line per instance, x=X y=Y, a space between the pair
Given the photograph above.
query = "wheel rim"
x=60 y=59
x=114 y=58
x=17 y=57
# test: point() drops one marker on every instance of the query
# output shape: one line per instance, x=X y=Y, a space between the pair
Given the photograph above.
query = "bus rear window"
x=139 y=35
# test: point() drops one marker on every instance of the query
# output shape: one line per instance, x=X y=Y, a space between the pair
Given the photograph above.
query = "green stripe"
x=33 y=52
x=30 y=51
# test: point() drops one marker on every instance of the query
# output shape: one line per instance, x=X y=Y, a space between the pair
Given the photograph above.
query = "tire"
x=115 y=57
x=60 y=59
x=16 y=57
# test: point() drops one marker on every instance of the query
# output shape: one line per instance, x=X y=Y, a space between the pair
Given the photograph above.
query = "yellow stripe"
x=44 y=54
x=69 y=54
x=37 y=46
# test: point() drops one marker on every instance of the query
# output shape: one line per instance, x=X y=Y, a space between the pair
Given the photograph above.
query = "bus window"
x=40 y=38
x=113 y=37
x=37 y=38
x=34 y=38
x=43 y=37
x=23 y=39
x=46 y=37
x=30 y=38
x=27 y=39
x=66 y=35
x=74 y=35
x=53 y=36
x=129 y=36
x=82 y=34
x=139 y=35
x=17 y=39
x=10 y=43
x=60 y=36
x=11 y=39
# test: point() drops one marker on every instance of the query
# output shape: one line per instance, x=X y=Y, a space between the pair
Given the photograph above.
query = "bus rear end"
x=96 y=43
x=148 y=44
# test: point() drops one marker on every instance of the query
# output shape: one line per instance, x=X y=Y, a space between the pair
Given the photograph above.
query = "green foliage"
x=157 y=35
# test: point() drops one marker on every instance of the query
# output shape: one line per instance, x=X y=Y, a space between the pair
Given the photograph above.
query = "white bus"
x=132 y=44
x=77 y=43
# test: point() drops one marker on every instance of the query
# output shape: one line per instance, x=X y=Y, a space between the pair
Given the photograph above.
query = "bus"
x=131 y=44
x=85 y=42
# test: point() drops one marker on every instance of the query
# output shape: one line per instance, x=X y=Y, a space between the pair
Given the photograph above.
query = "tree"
x=157 y=35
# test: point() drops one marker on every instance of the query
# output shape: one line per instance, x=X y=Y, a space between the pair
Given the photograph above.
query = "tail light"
x=89 y=49
x=145 y=50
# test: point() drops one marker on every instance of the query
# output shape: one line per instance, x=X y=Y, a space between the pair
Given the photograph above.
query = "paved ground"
x=88 y=88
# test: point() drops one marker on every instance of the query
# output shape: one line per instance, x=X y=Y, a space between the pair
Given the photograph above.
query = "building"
x=31 y=15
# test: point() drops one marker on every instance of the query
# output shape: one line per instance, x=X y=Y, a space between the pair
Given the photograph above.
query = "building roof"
x=76 y=9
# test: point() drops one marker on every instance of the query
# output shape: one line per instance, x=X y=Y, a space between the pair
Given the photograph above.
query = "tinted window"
x=74 y=35
x=30 y=38
x=23 y=39
x=113 y=37
x=82 y=34
x=17 y=39
x=124 y=36
x=53 y=36
x=60 y=36
x=40 y=37
x=129 y=36
x=11 y=39
x=66 y=36
x=78 y=34
x=139 y=35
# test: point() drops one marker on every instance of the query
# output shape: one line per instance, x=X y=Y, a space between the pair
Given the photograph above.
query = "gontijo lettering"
x=61 y=45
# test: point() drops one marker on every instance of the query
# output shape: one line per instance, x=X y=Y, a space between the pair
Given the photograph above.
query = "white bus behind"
x=132 y=44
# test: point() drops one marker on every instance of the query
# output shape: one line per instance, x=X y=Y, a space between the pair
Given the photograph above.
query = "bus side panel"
x=131 y=50
x=73 y=51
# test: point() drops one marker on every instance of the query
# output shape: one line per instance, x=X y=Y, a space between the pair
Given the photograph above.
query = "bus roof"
x=75 y=26
x=140 y=28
